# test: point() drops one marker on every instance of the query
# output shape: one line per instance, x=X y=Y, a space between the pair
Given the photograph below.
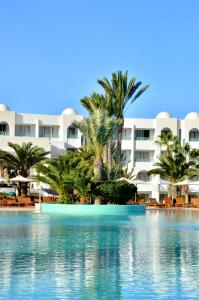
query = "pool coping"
x=17 y=209
x=147 y=209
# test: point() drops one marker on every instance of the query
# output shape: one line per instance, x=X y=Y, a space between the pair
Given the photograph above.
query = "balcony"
x=46 y=135
x=143 y=160
x=194 y=139
x=49 y=131
x=144 y=156
x=143 y=138
x=126 y=137
x=72 y=135
x=4 y=133
x=4 y=128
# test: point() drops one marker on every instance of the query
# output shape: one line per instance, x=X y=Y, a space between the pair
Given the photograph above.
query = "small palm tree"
x=67 y=173
x=175 y=167
x=122 y=93
x=52 y=172
x=169 y=140
x=97 y=129
x=23 y=158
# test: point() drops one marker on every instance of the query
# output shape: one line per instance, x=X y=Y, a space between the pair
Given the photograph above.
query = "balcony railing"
x=47 y=135
x=3 y=132
x=143 y=160
x=143 y=138
x=30 y=134
x=72 y=136
x=55 y=135
x=126 y=137
x=194 y=139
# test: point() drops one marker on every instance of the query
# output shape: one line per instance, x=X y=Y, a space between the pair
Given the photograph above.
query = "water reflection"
x=154 y=256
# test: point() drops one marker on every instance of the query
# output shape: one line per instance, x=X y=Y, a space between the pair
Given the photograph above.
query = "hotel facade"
x=55 y=133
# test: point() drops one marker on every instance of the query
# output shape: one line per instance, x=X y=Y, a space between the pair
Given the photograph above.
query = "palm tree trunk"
x=83 y=199
x=24 y=189
x=1 y=170
x=98 y=168
x=185 y=192
x=119 y=139
x=109 y=154
x=105 y=154
x=172 y=191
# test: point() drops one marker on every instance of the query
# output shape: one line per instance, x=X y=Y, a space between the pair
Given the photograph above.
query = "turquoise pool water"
x=152 y=256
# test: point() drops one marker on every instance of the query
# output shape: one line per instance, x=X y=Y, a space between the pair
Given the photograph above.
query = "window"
x=4 y=128
x=49 y=131
x=72 y=132
x=126 y=134
x=55 y=131
x=194 y=178
x=143 y=176
x=194 y=135
x=126 y=155
x=143 y=156
x=142 y=134
x=45 y=131
x=24 y=130
x=165 y=131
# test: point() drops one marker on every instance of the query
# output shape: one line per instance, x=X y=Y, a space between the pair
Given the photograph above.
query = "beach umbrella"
x=185 y=183
x=126 y=179
x=181 y=183
x=20 y=178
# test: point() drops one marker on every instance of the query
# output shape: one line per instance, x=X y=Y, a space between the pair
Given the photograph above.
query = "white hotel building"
x=56 y=134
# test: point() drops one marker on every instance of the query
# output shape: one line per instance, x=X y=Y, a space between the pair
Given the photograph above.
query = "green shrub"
x=116 y=192
x=66 y=199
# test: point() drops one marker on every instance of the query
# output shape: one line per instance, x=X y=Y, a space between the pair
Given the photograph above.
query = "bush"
x=116 y=192
x=66 y=199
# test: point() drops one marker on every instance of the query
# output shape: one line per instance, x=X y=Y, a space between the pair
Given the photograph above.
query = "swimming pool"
x=152 y=256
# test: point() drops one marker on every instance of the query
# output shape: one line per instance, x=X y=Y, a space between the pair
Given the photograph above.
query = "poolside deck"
x=31 y=208
x=173 y=208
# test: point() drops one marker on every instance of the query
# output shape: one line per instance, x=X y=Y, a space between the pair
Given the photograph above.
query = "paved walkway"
x=17 y=208
x=173 y=208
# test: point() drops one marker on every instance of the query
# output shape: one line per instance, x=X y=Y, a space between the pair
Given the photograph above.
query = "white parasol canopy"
x=184 y=182
x=20 y=178
x=124 y=178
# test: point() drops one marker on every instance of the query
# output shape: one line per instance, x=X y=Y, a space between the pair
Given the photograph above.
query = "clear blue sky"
x=52 y=52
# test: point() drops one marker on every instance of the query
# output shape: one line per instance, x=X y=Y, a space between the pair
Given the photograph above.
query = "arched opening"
x=194 y=135
x=143 y=176
x=4 y=128
x=72 y=132
x=165 y=131
x=194 y=178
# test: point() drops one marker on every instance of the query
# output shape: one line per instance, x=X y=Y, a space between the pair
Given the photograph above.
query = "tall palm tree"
x=22 y=158
x=99 y=101
x=123 y=93
x=97 y=129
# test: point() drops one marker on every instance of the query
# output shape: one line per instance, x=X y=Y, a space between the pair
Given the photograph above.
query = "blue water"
x=152 y=256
